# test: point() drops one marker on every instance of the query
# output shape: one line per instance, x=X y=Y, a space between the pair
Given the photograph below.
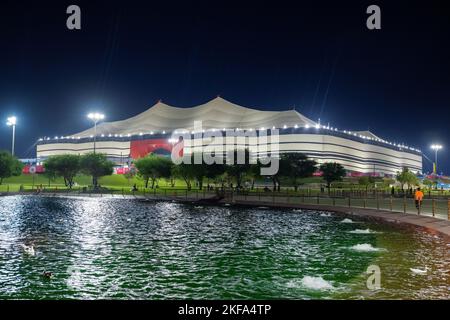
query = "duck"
x=419 y=271
x=28 y=249
x=47 y=274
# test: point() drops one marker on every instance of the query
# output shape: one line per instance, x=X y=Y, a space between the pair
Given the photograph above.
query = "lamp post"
x=12 y=121
x=96 y=117
x=436 y=148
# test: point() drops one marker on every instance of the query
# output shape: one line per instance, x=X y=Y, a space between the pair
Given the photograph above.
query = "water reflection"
x=117 y=248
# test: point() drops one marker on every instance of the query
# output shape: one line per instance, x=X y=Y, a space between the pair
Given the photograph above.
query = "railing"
x=438 y=207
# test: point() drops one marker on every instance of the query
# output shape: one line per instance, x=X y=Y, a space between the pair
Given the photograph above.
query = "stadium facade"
x=152 y=132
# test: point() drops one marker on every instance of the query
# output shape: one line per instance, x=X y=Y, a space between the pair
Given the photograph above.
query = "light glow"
x=436 y=147
x=96 y=116
x=11 y=121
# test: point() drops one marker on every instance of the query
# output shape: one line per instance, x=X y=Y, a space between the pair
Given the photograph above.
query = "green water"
x=127 y=249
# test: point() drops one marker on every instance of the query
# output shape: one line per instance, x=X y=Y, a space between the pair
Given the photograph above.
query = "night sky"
x=315 y=55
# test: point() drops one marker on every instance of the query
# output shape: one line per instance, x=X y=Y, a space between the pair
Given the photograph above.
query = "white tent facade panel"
x=359 y=151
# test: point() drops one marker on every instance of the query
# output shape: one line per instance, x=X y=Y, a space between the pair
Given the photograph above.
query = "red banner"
x=32 y=169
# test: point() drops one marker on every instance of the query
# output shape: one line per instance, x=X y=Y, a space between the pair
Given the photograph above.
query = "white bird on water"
x=28 y=249
x=419 y=271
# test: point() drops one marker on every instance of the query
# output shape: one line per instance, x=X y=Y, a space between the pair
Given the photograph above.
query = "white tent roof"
x=215 y=114
x=368 y=133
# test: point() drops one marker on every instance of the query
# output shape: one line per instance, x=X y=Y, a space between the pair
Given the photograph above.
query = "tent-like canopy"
x=368 y=134
x=215 y=114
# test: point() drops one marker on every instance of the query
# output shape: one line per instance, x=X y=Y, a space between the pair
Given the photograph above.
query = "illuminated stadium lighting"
x=151 y=132
x=285 y=127
x=140 y=133
x=164 y=132
x=296 y=126
x=11 y=121
x=307 y=126
x=96 y=116
x=317 y=126
x=436 y=147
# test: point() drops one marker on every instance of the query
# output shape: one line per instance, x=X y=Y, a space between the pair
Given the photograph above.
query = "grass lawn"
x=120 y=183
x=113 y=182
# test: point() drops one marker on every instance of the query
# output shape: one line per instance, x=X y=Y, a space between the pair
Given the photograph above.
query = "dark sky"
x=316 y=55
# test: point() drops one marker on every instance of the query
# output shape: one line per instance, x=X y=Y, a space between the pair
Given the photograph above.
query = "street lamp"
x=12 y=121
x=96 y=117
x=436 y=148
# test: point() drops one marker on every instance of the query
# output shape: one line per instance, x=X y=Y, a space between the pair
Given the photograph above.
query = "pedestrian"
x=418 y=197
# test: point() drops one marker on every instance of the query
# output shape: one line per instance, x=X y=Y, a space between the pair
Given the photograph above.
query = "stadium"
x=360 y=152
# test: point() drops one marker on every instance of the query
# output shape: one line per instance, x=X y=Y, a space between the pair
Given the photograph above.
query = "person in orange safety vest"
x=418 y=197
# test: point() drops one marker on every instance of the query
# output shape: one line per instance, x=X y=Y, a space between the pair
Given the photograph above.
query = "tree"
x=408 y=178
x=50 y=174
x=9 y=166
x=96 y=165
x=387 y=182
x=130 y=174
x=66 y=166
x=153 y=167
x=296 y=166
x=254 y=173
x=366 y=182
x=332 y=172
x=237 y=171
x=214 y=171
x=429 y=184
x=199 y=171
x=185 y=172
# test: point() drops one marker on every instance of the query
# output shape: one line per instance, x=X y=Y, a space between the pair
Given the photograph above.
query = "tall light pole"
x=96 y=117
x=436 y=148
x=12 y=121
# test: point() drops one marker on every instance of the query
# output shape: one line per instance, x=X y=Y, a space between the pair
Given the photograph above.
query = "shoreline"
x=420 y=222
x=423 y=223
